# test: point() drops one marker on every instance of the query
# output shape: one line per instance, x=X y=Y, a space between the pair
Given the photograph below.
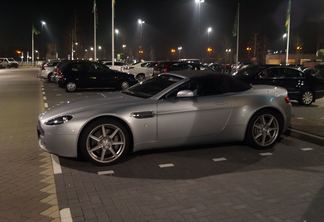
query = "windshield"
x=153 y=86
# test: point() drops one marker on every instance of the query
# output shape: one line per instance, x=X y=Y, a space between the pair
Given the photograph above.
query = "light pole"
x=209 y=30
x=95 y=30
x=179 y=51
x=73 y=51
x=35 y=32
x=141 y=22
x=198 y=4
x=113 y=2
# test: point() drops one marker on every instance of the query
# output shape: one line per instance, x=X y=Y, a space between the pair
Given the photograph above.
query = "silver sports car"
x=170 y=110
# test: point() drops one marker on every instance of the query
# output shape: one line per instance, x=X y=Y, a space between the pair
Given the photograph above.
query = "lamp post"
x=35 y=32
x=179 y=51
x=209 y=30
x=198 y=4
x=141 y=22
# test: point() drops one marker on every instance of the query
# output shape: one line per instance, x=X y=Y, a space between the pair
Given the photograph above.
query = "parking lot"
x=224 y=182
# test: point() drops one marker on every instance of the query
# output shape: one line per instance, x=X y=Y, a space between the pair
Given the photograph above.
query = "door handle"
x=93 y=77
x=142 y=115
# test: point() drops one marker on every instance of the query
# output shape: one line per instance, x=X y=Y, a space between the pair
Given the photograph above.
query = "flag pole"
x=33 y=47
x=113 y=33
x=288 y=32
x=238 y=33
x=94 y=30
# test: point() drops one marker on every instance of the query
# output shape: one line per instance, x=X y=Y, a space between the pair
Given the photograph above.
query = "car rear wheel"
x=104 y=141
x=124 y=85
x=140 y=77
x=49 y=77
x=306 y=98
x=263 y=130
x=70 y=87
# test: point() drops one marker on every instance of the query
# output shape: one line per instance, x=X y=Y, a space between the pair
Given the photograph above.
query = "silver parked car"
x=170 y=110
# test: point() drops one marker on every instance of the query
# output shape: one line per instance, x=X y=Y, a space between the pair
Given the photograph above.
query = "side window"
x=292 y=74
x=77 y=67
x=273 y=73
x=144 y=64
x=209 y=86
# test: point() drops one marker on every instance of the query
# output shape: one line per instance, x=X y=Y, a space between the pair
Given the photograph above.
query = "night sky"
x=169 y=24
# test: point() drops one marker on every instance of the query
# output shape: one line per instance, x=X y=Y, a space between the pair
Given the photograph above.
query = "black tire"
x=307 y=98
x=85 y=142
x=140 y=77
x=250 y=136
x=49 y=77
x=71 y=87
x=124 y=85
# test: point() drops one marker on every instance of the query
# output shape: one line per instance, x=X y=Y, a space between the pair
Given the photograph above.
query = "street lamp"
x=140 y=22
x=91 y=48
x=284 y=35
x=99 y=47
x=209 y=30
x=117 y=31
x=198 y=3
x=43 y=23
x=179 y=51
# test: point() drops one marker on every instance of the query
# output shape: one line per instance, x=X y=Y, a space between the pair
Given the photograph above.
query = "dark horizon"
x=168 y=25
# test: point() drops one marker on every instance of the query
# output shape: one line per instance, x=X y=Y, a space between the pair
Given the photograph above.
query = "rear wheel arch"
x=121 y=121
x=272 y=110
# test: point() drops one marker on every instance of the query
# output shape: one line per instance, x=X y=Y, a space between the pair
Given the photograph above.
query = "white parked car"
x=142 y=70
x=118 y=66
x=8 y=63
x=47 y=70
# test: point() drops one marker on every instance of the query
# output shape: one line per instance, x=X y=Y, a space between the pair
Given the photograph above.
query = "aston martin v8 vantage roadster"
x=169 y=110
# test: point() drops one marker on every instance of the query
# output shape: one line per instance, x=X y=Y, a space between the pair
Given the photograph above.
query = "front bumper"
x=64 y=145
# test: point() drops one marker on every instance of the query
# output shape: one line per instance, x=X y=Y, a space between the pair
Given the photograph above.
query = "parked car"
x=163 y=67
x=47 y=70
x=170 y=110
x=85 y=74
x=142 y=70
x=118 y=66
x=8 y=63
x=302 y=87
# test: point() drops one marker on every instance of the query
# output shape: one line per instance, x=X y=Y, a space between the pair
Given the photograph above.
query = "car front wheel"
x=306 y=98
x=70 y=87
x=263 y=130
x=104 y=141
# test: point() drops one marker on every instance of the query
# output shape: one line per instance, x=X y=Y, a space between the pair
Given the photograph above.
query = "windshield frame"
x=160 y=94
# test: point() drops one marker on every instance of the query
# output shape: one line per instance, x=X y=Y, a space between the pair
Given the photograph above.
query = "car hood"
x=102 y=102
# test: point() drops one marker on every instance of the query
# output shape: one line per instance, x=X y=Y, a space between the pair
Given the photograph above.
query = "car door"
x=294 y=82
x=189 y=120
x=87 y=75
x=108 y=77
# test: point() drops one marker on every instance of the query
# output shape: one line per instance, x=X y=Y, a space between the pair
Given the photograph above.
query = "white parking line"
x=108 y=172
x=219 y=159
x=166 y=165
x=306 y=149
x=44 y=98
x=56 y=164
x=265 y=154
x=65 y=215
x=46 y=105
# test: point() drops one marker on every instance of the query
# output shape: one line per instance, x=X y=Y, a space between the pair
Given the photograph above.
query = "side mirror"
x=185 y=94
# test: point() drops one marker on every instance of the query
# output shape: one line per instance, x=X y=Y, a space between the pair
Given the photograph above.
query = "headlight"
x=58 y=120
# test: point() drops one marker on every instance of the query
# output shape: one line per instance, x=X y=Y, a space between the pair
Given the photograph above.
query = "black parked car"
x=301 y=86
x=89 y=75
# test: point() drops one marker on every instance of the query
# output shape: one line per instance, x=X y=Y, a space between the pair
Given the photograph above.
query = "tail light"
x=287 y=100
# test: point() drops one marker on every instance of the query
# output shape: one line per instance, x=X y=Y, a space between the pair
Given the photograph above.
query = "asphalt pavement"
x=225 y=182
